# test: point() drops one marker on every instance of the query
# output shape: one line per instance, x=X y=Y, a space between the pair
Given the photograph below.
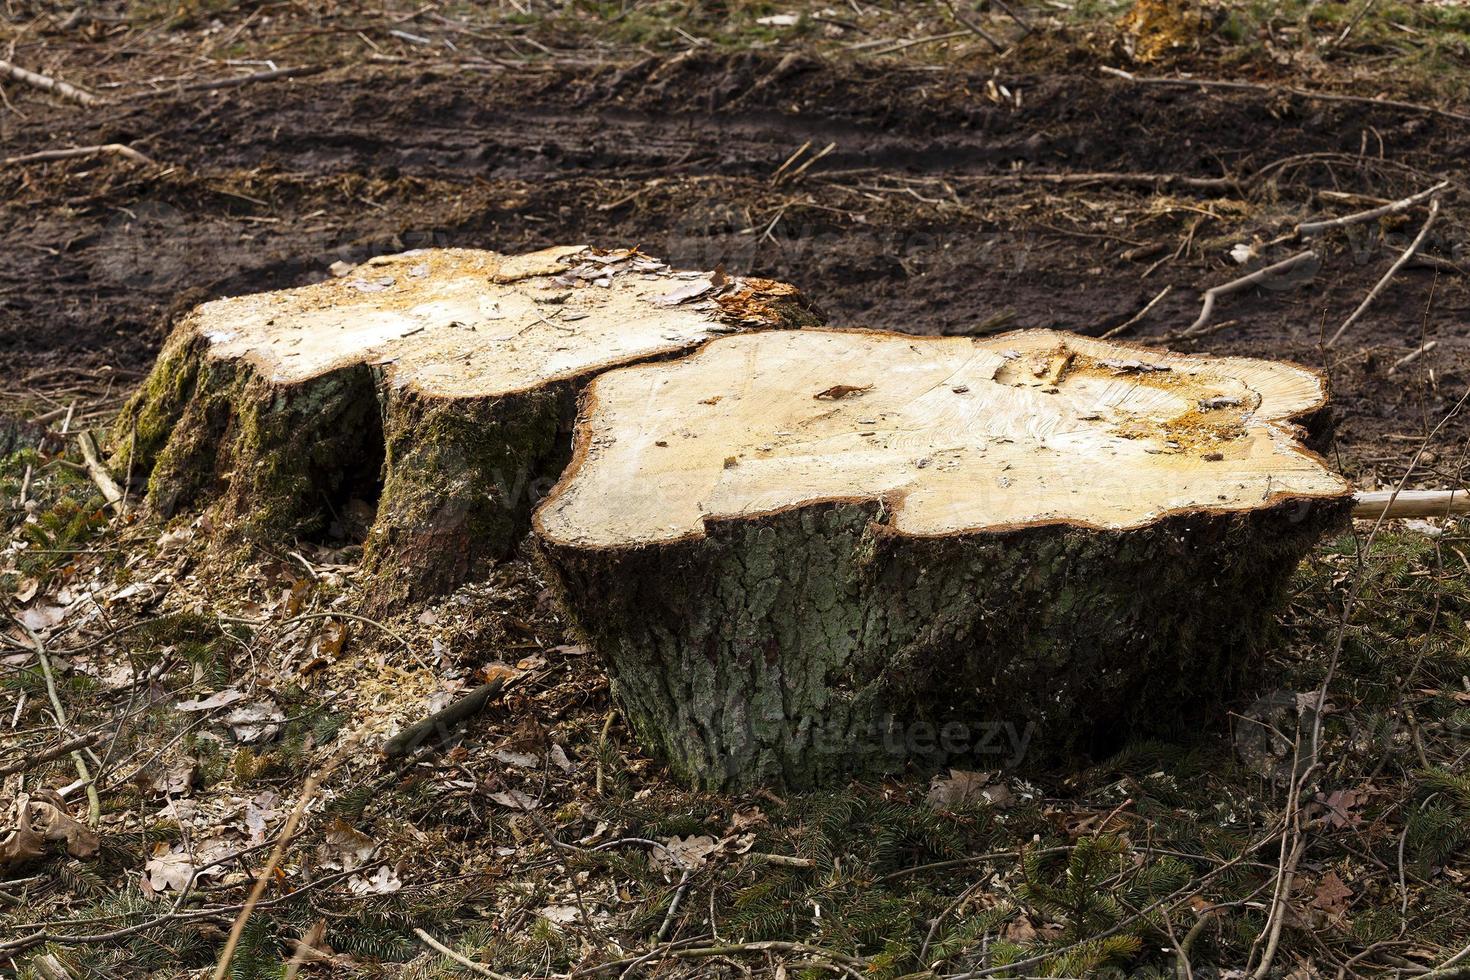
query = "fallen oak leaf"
x=685 y=853
x=57 y=824
x=25 y=843
x=218 y=699
x=1331 y=894
x=169 y=868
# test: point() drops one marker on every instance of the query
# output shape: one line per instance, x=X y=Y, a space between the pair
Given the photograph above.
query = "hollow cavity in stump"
x=808 y=554
x=422 y=401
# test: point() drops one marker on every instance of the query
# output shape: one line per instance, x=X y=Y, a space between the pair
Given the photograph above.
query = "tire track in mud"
x=275 y=182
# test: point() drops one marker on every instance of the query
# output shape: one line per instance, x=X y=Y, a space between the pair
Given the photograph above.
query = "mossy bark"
x=273 y=457
x=805 y=647
x=274 y=463
x=461 y=479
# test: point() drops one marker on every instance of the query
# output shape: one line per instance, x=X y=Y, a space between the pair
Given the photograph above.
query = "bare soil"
x=910 y=222
x=964 y=192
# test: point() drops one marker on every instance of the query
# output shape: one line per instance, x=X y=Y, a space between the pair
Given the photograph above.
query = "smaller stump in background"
x=809 y=554
x=426 y=397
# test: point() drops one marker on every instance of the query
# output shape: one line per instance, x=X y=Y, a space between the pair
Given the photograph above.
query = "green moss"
x=462 y=477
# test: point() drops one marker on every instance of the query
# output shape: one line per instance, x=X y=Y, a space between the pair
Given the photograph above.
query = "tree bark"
x=801 y=643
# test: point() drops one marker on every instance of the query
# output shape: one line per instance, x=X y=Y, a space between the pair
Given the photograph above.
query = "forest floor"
x=906 y=173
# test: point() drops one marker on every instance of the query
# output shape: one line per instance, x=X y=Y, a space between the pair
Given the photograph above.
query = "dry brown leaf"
x=1331 y=895
x=842 y=391
x=960 y=786
x=52 y=818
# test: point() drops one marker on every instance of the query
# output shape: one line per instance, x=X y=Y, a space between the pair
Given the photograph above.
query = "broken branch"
x=1316 y=227
x=1398 y=264
x=49 y=84
x=117 y=149
x=1244 y=282
x=471 y=704
x=46 y=755
x=1413 y=356
x=111 y=492
x=1377 y=504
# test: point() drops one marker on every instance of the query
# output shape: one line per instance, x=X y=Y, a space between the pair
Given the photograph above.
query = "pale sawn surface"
x=957 y=434
x=468 y=323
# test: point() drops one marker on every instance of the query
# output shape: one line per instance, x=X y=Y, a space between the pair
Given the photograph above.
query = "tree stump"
x=810 y=554
x=422 y=402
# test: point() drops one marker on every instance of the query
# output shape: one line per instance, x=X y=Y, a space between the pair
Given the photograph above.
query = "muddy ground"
x=914 y=220
x=943 y=187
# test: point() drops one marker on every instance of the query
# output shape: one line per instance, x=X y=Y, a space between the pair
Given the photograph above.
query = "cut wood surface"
x=435 y=386
x=954 y=435
x=797 y=550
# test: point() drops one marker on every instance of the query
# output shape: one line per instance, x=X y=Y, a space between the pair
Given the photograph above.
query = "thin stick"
x=116 y=149
x=459 y=958
x=260 y=76
x=471 y=704
x=1300 y=92
x=1025 y=24
x=1377 y=504
x=1316 y=227
x=1357 y=18
x=1436 y=263
x=1139 y=315
x=111 y=492
x=54 y=752
x=1413 y=356
x=1236 y=285
x=969 y=24
x=1392 y=270
x=900 y=45
x=49 y=84
x=94 y=805
x=307 y=792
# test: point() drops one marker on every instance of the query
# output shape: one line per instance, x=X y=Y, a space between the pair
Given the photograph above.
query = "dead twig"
x=1317 y=227
x=415 y=735
x=1139 y=315
x=49 y=84
x=1413 y=356
x=72 y=152
x=1398 y=264
x=111 y=492
x=1244 y=282
x=260 y=76
x=459 y=958
x=94 y=804
x=973 y=27
x=308 y=790
x=1022 y=22
x=1436 y=263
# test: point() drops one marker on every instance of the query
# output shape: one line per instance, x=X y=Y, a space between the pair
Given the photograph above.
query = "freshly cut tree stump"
x=810 y=554
x=440 y=384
